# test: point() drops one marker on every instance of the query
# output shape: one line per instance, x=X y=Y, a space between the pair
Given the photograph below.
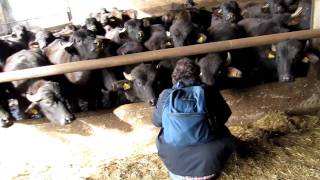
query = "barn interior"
x=278 y=122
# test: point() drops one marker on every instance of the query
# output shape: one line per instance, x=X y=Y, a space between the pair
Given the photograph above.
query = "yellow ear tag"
x=34 y=111
x=271 y=56
x=168 y=44
x=126 y=86
x=306 y=60
x=202 y=39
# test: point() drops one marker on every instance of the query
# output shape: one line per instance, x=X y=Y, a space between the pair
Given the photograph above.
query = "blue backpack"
x=184 y=119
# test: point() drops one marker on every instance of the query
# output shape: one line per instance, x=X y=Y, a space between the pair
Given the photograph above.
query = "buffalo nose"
x=141 y=35
x=153 y=102
x=286 y=78
x=280 y=9
x=5 y=123
x=69 y=119
x=231 y=17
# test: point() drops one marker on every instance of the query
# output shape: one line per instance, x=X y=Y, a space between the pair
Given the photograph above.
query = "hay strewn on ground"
x=275 y=147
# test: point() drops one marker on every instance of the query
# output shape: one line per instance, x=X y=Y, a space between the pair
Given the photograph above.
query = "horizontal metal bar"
x=155 y=55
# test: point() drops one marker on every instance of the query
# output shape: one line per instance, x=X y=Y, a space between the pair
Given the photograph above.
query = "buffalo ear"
x=294 y=21
x=106 y=92
x=123 y=35
x=310 y=57
x=70 y=48
x=265 y=8
x=295 y=17
x=122 y=85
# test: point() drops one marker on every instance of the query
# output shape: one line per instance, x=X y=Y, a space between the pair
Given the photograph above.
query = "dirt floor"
x=110 y=145
x=276 y=147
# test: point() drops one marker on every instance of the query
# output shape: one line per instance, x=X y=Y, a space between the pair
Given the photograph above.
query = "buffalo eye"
x=48 y=102
x=139 y=83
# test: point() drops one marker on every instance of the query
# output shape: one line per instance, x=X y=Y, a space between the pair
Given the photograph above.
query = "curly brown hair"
x=186 y=71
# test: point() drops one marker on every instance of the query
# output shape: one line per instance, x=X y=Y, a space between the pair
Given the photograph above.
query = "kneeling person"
x=194 y=141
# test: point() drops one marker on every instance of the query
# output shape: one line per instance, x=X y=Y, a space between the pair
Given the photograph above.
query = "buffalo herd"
x=119 y=32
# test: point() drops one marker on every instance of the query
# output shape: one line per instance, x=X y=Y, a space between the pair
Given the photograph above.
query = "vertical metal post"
x=3 y=21
x=315 y=22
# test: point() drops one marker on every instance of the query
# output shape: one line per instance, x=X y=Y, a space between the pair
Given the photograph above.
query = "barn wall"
x=47 y=13
x=316 y=23
x=35 y=13
x=157 y=7
x=3 y=17
x=82 y=8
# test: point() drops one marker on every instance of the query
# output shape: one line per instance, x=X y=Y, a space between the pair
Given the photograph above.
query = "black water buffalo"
x=42 y=93
x=256 y=10
x=274 y=62
x=9 y=103
x=66 y=32
x=181 y=29
x=116 y=35
x=8 y=48
x=224 y=23
x=135 y=37
x=210 y=68
x=4 y=118
x=109 y=20
x=130 y=47
x=149 y=21
x=21 y=34
x=281 y=6
x=301 y=9
x=305 y=9
x=231 y=11
x=43 y=38
x=124 y=15
x=158 y=38
x=134 y=30
x=85 y=86
x=95 y=26
x=215 y=66
x=199 y=17
x=139 y=84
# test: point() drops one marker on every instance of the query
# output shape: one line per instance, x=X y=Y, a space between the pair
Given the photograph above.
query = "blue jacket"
x=202 y=159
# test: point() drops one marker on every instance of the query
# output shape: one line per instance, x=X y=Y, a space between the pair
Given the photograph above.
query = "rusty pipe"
x=155 y=55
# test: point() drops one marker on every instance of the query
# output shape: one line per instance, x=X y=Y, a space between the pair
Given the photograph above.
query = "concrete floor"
x=40 y=150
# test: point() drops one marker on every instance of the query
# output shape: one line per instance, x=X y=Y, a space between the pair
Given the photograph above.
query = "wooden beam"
x=155 y=55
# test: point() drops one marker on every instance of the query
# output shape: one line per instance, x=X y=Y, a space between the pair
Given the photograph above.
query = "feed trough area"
x=79 y=84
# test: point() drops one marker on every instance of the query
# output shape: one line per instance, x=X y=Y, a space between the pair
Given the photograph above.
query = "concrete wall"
x=35 y=13
x=82 y=8
x=3 y=18
x=47 y=13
